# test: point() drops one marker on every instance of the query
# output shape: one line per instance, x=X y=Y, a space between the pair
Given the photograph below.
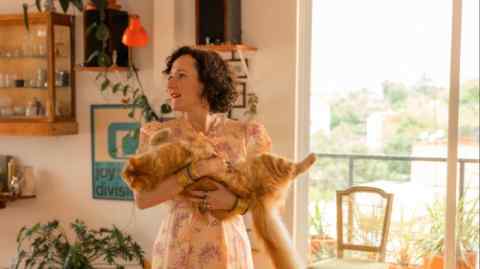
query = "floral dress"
x=191 y=240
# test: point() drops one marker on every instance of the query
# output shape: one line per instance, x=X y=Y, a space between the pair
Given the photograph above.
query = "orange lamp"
x=135 y=35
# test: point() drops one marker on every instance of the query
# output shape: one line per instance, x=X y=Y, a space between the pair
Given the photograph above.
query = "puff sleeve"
x=257 y=139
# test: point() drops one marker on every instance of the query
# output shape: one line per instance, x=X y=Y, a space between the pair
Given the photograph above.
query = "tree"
x=395 y=93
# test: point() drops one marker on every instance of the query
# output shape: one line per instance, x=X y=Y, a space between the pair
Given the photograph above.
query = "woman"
x=200 y=86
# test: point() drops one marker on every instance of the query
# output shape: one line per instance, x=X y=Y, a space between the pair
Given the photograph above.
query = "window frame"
x=302 y=130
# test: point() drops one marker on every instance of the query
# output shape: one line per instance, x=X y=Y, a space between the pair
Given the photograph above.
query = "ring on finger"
x=228 y=165
x=203 y=206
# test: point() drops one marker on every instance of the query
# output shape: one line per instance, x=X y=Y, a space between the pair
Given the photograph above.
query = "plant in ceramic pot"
x=321 y=245
x=431 y=245
x=404 y=237
x=47 y=246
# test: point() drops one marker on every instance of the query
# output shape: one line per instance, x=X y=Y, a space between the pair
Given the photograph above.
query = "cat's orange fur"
x=263 y=180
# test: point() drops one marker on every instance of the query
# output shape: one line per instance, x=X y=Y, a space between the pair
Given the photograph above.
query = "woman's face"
x=183 y=85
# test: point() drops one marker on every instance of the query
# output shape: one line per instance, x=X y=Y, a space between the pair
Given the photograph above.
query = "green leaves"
x=116 y=87
x=135 y=98
x=92 y=56
x=64 y=4
x=102 y=33
x=38 y=4
x=46 y=246
x=166 y=108
x=103 y=59
x=90 y=28
x=100 y=4
x=25 y=17
x=105 y=85
x=125 y=90
x=78 y=4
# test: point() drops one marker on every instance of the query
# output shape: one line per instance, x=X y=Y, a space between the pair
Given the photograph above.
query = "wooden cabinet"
x=37 y=79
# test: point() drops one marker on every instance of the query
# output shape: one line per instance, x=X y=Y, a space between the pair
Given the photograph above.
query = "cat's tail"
x=305 y=164
x=271 y=230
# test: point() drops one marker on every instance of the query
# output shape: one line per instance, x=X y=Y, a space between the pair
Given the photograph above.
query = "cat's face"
x=132 y=174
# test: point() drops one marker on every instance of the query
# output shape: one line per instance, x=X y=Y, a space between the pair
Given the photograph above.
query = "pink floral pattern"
x=189 y=239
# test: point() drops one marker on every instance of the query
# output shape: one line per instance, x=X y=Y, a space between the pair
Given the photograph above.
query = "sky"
x=360 y=44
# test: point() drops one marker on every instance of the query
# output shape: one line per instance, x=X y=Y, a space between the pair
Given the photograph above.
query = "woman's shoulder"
x=234 y=126
x=258 y=139
x=251 y=125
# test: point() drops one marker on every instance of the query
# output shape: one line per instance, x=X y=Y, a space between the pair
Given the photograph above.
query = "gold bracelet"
x=240 y=206
x=191 y=172
x=183 y=178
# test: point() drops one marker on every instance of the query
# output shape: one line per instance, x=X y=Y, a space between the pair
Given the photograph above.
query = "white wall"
x=63 y=164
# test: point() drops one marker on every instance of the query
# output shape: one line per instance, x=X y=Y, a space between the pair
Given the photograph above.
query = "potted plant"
x=47 y=246
x=431 y=244
x=321 y=245
x=405 y=236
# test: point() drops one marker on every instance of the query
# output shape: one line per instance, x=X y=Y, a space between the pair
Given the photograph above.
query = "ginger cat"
x=263 y=180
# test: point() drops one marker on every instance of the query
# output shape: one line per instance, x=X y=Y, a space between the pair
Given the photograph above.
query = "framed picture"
x=237 y=68
x=114 y=139
x=241 y=89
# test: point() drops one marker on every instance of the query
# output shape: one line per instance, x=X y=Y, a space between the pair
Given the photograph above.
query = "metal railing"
x=353 y=157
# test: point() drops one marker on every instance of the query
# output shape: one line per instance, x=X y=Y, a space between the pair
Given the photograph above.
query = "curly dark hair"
x=213 y=73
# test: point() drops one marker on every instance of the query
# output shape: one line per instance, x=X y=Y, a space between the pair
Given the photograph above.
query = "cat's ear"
x=159 y=137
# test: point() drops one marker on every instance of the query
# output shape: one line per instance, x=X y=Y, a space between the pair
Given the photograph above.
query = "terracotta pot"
x=436 y=262
x=319 y=241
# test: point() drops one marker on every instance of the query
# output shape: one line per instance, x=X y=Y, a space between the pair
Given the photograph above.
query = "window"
x=380 y=74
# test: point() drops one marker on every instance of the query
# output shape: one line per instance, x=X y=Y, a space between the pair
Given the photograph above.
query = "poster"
x=114 y=140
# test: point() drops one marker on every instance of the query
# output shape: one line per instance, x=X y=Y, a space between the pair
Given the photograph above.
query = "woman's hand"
x=210 y=167
x=219 y=199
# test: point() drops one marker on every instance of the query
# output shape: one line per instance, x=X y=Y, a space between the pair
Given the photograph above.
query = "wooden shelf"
x=41 y=57
x=101 y=69
x=227 y=47
x=32 y=88
x=23 y=88
x=6 y=197
x=55 y=29
x=29 y=128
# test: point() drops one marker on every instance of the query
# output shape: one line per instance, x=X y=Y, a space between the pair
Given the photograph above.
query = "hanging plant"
x=132 y=93
x=47 y=5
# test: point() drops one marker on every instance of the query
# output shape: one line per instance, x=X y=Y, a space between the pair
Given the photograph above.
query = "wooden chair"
x=358 y=231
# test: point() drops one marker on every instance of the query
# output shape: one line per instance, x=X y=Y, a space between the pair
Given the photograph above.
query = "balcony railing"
x=352 y=178
x=353 y=157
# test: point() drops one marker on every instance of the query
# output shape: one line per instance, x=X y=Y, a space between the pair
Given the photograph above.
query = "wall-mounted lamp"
x=135 y=35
